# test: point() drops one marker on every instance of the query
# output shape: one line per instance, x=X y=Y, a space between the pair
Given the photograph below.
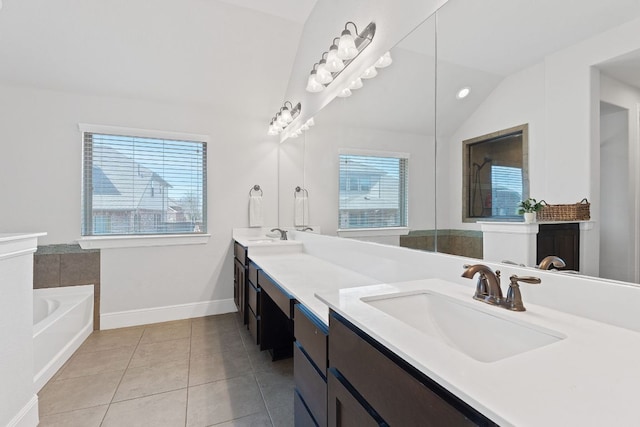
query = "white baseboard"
x=28 y=415
x=145 y=316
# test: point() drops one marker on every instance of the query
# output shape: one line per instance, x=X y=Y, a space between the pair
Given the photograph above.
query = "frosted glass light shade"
x=323 y=76
x=369 y=73
x=344 y=93
x=356 y=84
x=311 y=122
x=334 y=63
x=312 y=84
x=347 y=46
x=286 y=116
x=384 y=61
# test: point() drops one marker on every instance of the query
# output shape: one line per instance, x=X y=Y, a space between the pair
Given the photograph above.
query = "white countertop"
x=588 y=378
x=302 y=275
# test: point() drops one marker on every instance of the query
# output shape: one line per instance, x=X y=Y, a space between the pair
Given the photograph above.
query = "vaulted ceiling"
x=234 y=55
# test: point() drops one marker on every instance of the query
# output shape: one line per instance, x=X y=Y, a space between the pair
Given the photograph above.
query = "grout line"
x=122 y=377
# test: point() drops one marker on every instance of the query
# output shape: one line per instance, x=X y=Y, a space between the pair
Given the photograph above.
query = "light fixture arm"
x=354 y=26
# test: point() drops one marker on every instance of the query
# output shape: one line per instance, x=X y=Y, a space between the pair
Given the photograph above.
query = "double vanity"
x=383 y=335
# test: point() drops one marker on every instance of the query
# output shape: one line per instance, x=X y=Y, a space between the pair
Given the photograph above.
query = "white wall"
x=321 y=149
x=518 y=99
x=40 y=168
x=619 y=177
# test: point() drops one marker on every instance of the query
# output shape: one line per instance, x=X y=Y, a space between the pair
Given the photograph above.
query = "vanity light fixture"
x=323 y=76
x=464 y=92
x=334 y=63
x=339 y=56
x=356 y=84
x=313 y=85
x=344 y=93
x=284 y=117
x=384 y=61
x=297 y=131
x=369 y=73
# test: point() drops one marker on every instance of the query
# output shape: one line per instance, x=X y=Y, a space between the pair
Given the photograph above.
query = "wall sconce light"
x=340 y=56
x=284 y=117
x=298 y=130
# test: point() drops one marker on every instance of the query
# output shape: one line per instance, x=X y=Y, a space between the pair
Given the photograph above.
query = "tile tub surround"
x=195 y=372
x=467 y=243
x=68 y=265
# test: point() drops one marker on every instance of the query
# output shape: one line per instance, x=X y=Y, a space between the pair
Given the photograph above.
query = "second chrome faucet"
x=488 y=288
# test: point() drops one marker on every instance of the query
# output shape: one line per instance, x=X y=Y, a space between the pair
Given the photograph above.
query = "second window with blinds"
x=373 y=191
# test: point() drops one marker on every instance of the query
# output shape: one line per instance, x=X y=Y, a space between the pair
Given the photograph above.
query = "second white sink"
x=474 y=331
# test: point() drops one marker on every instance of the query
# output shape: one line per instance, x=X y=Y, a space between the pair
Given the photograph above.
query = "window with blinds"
x=143 y=186
x=373 y=192
x=506 y=190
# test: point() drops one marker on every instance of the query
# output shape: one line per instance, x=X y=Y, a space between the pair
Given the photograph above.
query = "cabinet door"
x=344 y=409
x=240 y=289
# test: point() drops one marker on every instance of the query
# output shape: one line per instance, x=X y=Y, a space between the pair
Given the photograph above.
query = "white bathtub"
x=62 y=320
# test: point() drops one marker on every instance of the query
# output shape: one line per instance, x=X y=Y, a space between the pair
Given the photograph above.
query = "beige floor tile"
x=262 y=361
x=282 y=416
x=166 y=331
x=260 y=419
x=203 y=326
x=91 y=363
x=148 y=380
x=210 y=344
x=218 y=367
x=90 y=417
x=78 y=393
x=158 y=352
x=111 y=339
x=224 y=400
x=166 y=410
x=277 y=388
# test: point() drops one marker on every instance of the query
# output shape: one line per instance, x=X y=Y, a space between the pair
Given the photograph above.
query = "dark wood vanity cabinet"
x=252 y=303
x=310 y=362
x=275 y=329
x=561 y=240
x=240 y=263
x=384 y=389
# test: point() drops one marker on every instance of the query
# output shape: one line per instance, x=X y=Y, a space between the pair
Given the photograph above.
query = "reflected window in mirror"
x=496 y=176
x=373 y=191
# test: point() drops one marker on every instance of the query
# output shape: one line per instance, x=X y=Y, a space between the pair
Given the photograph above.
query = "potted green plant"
x=529 y=207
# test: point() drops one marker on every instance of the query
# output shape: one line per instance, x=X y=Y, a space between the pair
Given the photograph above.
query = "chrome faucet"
x=488 y=287
x=283 y=233
x=551 y=261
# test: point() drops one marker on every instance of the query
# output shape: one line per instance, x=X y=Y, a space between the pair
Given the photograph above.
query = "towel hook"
x=255 y=188
x=298 y=189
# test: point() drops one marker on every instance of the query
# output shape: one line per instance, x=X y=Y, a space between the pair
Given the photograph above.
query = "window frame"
x=91 y=241
x=403 y=197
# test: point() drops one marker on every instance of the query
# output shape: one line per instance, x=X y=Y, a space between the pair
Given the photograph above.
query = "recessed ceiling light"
x=464 y=92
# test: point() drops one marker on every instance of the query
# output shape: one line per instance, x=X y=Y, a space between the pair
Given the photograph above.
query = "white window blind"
x=506 y=190
x=373 y=191
x=142 y=186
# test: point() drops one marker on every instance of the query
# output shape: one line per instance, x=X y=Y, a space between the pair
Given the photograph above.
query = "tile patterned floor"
x=196 y=373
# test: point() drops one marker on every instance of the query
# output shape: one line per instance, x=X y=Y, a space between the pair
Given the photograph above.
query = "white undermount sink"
x=466 y=326
x=261 y=241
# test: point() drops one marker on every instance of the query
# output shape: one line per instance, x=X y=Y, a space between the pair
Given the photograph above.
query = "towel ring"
x=299 y=190
x=255 y=188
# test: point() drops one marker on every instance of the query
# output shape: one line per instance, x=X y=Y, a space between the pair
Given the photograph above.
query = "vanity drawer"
x=240 y=252
x=311 y=386
x=253 y=299
x=385 y=384
x=253 y=323
x=283 y=300
x=253 y=273
x=301 y=415
x=312 y=335
x=344 y=408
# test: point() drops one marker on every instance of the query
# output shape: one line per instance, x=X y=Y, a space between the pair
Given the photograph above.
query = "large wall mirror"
x=566 y=70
